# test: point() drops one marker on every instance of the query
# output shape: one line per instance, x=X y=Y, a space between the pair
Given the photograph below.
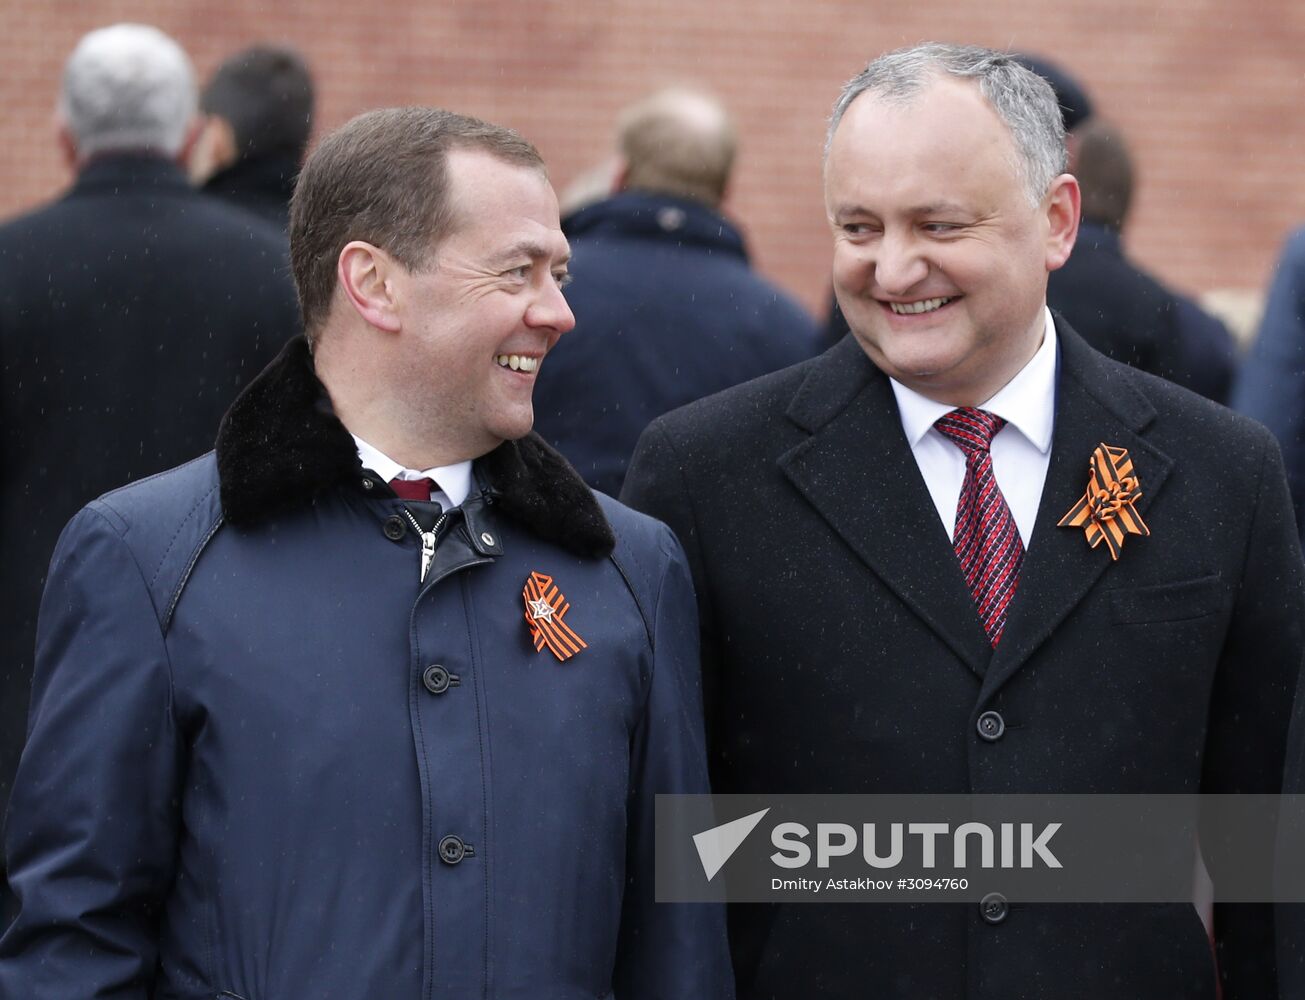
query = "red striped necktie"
x=986 y=538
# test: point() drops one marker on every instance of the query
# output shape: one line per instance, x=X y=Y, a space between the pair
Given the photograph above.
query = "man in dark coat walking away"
x=1118 y=308
x=259 y=108
x=132 y=311
x=667 y=308
x=912 y=580
x=374 y=701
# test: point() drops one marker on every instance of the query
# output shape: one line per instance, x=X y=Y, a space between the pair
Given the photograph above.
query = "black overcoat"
x=132 y=310
x=843 y=653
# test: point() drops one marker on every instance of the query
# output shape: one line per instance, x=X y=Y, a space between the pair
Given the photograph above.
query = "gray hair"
x=128 y=87
x=1021 y=99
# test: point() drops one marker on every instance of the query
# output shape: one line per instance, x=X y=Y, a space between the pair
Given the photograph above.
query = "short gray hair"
x=1021 y=99
x=128 y=87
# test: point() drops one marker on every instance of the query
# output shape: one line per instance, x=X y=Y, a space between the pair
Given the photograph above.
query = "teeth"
x=517 y=362
x=927 y=305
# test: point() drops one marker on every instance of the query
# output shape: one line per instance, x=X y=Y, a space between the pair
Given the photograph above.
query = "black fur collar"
x=281 y=444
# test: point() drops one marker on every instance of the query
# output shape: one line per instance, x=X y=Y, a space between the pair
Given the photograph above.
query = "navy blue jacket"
x=266 y=762
x=667 y=311
x=1271 y=384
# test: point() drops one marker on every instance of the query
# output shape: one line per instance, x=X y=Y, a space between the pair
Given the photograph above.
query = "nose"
x=899 y=264
x=550 y=310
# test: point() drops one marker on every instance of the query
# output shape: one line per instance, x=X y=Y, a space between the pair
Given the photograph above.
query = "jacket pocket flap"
x=1168 y=602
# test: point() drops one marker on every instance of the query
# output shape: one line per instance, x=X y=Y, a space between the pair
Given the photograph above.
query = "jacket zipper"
x=428 y=540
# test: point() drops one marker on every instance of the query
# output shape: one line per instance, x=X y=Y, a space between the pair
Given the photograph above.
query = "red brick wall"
x=1209 y=93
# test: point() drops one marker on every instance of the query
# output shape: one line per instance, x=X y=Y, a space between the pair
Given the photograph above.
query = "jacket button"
x=452 y=850
x=994 y=908
x=436 y=679
x=991 y=726
x=395 y=527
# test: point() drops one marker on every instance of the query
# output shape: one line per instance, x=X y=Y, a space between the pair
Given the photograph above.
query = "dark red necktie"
x=412 y=489
x=986 y=539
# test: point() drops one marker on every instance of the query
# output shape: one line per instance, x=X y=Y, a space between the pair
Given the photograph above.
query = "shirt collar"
x=454 y=480
x=1027 y=401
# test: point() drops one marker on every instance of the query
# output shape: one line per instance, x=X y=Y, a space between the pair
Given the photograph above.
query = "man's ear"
x=368 y=276
x=1062 y=207
x=193 y=130
x=66 y=142
x=620 y=175
x=212 y=149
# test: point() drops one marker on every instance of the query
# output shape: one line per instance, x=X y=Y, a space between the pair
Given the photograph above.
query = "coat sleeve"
x=1290 y=917
x=1250 y=709
x=93 y=819
x=655 y=484
x=668 y=951
x=1271 y=384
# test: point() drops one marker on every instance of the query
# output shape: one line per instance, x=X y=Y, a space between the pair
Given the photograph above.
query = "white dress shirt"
x=1021 y=451
x=452 y=482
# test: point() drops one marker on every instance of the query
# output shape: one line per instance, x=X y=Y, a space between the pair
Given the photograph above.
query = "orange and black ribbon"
x=546 y=609
x=1106 y=511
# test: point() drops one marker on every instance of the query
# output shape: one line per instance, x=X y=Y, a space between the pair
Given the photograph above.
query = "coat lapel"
x=1096 y=403
x=858 y=472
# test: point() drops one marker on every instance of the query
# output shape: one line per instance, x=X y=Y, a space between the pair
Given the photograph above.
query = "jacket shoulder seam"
x=638 y=601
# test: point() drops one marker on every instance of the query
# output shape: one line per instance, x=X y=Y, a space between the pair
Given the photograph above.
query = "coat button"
x=395 y=527
x=994 y=908
x=991 y=726
x=452 y=850
x=436 y=679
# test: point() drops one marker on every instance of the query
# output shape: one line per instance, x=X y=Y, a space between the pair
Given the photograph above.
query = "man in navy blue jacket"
x=667 y=308
x=374 y=701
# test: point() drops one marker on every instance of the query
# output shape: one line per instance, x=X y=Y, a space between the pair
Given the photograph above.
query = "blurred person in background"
x=1116 y=306
x=1271 y=384
x=259 y=116
x=667 y=307
x=132 y=310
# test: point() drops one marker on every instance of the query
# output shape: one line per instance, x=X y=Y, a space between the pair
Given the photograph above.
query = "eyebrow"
x=932 y=208
x=531 y=249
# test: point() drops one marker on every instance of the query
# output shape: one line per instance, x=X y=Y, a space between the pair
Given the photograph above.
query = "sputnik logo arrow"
x=715 y=846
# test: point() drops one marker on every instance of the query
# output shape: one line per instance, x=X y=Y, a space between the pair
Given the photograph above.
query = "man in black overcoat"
x=903 y=592
x=1117 y=307
x=259 y=108
x=132 y=310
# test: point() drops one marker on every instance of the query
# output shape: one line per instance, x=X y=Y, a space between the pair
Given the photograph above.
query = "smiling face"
x=478 y=321
x=940 y=259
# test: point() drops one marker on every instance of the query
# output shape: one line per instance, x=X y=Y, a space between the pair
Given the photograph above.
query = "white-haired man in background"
x=132 y=309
